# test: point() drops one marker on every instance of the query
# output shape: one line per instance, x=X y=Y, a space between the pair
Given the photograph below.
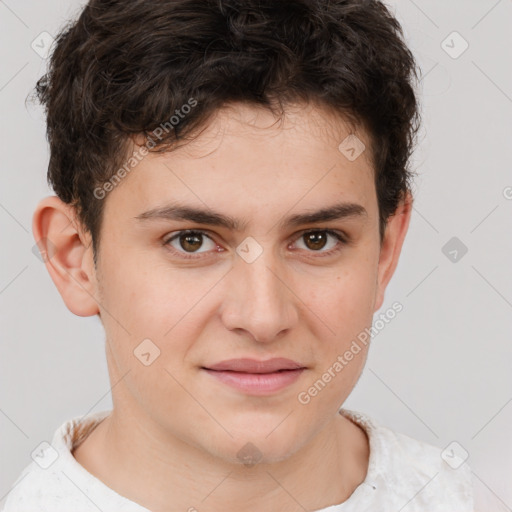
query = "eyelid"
x=176 y=234
x=341 y=236
x=336 y=233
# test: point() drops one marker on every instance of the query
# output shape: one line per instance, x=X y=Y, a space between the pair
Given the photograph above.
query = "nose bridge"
x=261 y=303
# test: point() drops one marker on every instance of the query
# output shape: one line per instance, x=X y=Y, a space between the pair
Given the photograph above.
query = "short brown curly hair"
x=125 y=66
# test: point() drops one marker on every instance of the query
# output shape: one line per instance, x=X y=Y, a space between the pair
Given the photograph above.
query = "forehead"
x=246 y=160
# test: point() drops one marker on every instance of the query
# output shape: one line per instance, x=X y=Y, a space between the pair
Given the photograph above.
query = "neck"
x=161 y=472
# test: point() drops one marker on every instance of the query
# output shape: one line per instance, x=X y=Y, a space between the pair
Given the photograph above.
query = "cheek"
x=163 y=305
x=149 y=297
x=147 y=318
x=342 y=339
x=343 y=301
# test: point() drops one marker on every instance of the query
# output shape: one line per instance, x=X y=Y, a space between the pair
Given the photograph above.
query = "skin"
x=172 y=440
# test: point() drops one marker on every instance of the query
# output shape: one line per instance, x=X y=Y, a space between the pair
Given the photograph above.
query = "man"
x=233 y=194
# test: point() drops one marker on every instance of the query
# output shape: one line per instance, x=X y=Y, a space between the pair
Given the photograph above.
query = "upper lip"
x=255 y=366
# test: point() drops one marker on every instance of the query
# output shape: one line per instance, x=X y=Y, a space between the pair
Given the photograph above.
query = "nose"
x=258 y=300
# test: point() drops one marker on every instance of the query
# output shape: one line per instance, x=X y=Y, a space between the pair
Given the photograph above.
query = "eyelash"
x=341 y=238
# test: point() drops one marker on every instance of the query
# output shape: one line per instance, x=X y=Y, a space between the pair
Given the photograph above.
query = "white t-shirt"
x=403 y=474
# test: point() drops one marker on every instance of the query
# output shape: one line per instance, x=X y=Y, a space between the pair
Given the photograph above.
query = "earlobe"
x=391 y=248
x=67 y=253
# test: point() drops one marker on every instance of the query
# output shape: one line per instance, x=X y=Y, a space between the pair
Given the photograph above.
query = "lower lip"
x=257 y=383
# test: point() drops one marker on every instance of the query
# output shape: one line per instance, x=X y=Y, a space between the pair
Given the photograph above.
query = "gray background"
x=439 y=372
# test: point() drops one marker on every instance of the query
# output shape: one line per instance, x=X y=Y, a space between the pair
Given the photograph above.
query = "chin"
x=253 y=448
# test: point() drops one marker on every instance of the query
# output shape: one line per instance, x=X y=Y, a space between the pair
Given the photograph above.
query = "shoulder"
x=55 y=482
x=416 y=473
x=442 y=472
x=44 y=489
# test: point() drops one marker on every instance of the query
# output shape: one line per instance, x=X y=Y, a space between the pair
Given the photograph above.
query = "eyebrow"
x=177 y=211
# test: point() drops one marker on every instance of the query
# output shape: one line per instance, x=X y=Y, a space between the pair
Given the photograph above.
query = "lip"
x=256 y=377
x=254 y=366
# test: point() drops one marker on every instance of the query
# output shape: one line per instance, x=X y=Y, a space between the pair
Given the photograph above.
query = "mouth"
x=255 y=377
x=255 y=366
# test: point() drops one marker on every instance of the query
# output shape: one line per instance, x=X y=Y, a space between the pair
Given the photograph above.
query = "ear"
x=396 y=229
x=67 y=252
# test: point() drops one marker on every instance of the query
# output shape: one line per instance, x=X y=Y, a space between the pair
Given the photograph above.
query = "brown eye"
x=316 y=241
x=189 y=242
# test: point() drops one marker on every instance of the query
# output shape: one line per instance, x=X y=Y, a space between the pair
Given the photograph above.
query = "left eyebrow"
x=177 y=211
x=335 y=212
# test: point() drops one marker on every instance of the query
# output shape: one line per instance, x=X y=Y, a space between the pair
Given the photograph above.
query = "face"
x=263 y=282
